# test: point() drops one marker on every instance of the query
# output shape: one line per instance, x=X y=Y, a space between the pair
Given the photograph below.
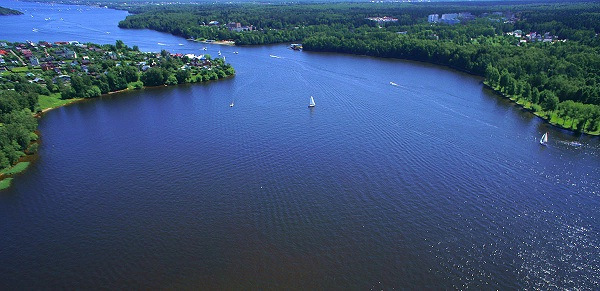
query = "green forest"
x=556 y=76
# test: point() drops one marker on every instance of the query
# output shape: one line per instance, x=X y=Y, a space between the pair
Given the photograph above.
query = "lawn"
x=5 y=183
x=20 y=70
x=54 y=100
x=20 y=167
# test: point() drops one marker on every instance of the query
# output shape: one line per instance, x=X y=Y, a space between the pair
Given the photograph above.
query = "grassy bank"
x=54 y=100
x=18 y=168
x=5 y=183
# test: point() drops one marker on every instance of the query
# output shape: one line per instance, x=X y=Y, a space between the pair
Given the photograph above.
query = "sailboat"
x=231 y=105
x=544 y=139
x=312 y=102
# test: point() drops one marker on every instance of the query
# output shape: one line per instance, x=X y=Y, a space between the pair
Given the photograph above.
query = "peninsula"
x=36 y=77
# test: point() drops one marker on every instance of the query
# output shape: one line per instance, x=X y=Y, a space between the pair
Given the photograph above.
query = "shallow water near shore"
x=433 y=183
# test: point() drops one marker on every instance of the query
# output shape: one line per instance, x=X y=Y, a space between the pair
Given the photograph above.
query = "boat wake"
x=571 y=143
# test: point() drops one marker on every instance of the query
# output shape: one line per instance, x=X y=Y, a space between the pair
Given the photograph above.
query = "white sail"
x=544 y=138
x=312 y=102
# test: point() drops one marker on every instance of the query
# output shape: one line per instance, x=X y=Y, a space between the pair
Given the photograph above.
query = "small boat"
x=393 y=84
x=312 y=102
x=575 y=144
x=235 y=53
x=231 y=105
x=219 y=52
x=544 y=139
x=204 y=48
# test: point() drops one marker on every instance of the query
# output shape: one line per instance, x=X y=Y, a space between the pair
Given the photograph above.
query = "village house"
x=47 y=66
x=70 y=54
x=382 y=20
x=27 y=53
x=34 y=61
x=67 y=53
x=95 y=49
x=111 y=55
x=236 y=26
x=38 y=80
x=62 y=78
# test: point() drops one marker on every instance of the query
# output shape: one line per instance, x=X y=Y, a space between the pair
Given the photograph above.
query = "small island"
x=7 y=11
x=37 y=77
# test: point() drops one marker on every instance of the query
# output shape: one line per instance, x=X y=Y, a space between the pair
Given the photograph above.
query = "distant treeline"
x=8 y=11
x=282 y=23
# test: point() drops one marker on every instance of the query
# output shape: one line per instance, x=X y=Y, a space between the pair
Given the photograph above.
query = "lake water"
x=433 y=183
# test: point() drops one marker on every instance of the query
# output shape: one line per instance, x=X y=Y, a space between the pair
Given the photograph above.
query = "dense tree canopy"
x=16 y=124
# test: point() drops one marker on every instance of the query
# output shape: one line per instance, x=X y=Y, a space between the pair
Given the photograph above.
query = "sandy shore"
x=221 y=42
